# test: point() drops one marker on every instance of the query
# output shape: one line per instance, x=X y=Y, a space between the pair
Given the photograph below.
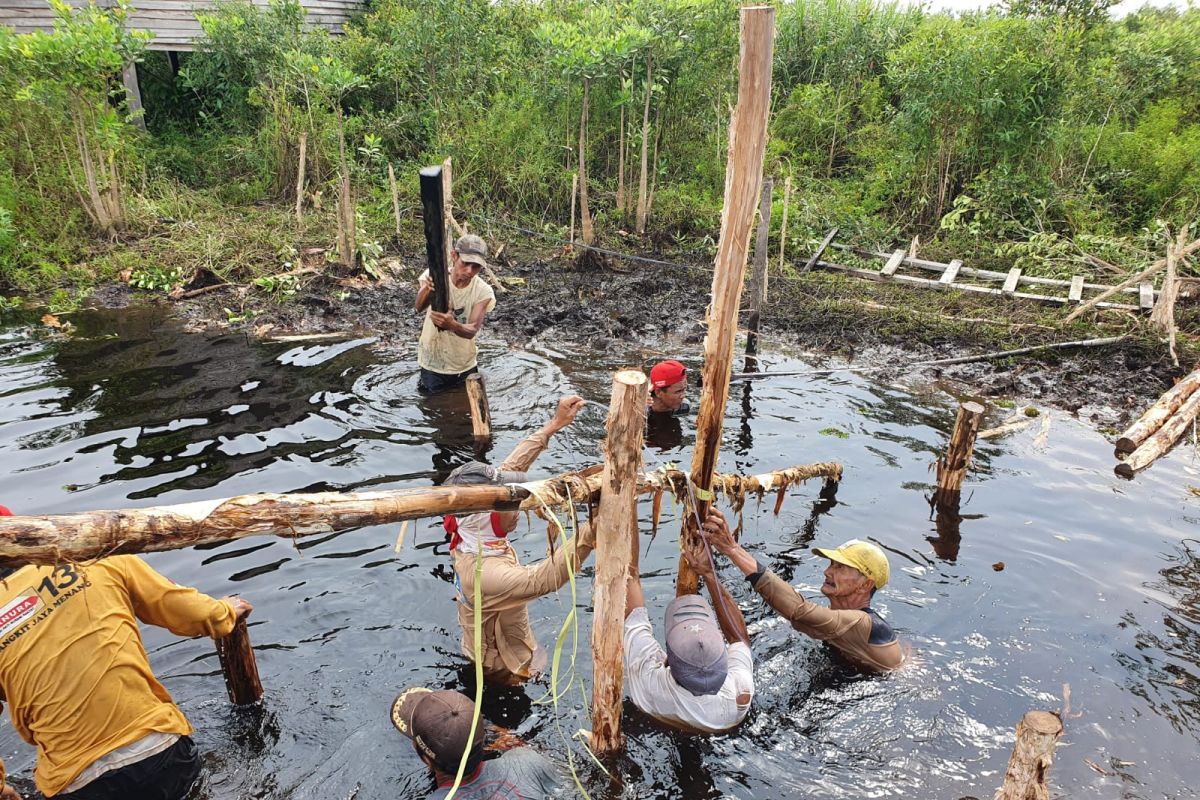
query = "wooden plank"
x=951 y=272
x=1146 y=296
x=1010 y=283
x=893 y=264
x=1076 y=293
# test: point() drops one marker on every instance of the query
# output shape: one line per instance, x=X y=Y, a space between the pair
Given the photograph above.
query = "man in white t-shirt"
x=704 y=680
x=447 y=351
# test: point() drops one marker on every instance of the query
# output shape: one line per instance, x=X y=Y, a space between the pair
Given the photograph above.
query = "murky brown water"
x=1101 y=588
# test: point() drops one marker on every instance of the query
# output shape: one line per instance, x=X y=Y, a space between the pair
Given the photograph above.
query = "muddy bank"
x=829 y=319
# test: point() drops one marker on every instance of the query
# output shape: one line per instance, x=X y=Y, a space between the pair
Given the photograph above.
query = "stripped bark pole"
x=395 y=196
x=452 y=228
x=1162 y=410
x=1161 y=440
x=758 y=279
x=616 y=527
x=239 y=666
x=787 y=201
x=300 y=168
x=743 y=179
x=952 y=467
x=74 y=538
x=481 y=414
x=1032 y=755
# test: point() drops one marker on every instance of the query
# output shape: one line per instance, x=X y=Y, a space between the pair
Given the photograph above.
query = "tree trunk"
x=1157 y=414
x=621 y=152
x=1163 y=439
x=584 y=214
x=300 y=167
x=1033 y=753
x=642 y=179
x=743 y=178
x=616 y=530
x=63 y=538
x=952 y=467
x=346 y=220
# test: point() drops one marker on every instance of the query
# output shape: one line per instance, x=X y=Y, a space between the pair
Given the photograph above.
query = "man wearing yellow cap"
x=856 y=571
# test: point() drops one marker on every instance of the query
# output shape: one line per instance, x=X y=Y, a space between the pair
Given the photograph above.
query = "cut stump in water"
x=239 y=666
x=1026 y=777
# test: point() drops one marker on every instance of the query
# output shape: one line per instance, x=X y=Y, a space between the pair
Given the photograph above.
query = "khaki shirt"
x=73 y=668
x=506 y=587
x=849 y=630
x=447 y=353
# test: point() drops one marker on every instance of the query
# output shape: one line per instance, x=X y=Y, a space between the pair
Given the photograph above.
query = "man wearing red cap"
x=668 y=387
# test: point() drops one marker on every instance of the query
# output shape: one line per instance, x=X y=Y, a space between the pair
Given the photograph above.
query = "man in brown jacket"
x=856 y=571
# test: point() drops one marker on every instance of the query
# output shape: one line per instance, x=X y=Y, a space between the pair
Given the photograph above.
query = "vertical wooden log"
x=301 y=166
x=133 y=94
x=616 y=528
x=574 y=190
x=433 y=208
x=448 y=212
x=952 y=467
x=787 y=201
x=395 y=196
x=1032 y=755
x=758 y=279
x=743 y=178
x=239 y=666
x=481 y=415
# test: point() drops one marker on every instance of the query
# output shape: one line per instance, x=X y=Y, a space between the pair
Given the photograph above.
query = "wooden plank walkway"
x=956 y=276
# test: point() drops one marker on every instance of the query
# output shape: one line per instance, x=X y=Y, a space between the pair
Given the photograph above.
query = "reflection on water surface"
x=1100 y=589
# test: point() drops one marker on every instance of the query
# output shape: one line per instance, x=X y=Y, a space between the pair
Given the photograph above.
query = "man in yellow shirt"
x=78 y=684
x=446 y=351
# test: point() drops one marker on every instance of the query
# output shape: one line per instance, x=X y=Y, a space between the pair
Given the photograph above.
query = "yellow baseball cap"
x=865 y=557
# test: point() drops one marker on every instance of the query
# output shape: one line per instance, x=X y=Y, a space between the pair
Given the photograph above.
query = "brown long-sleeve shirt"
x=850 y=631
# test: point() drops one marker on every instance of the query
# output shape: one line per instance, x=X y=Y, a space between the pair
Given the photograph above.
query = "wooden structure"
x=1026 y=777
x=481 y=414
x=616 y=531
x=899 y=267
x=239 y=666
x=743 y=179
x=173 y=22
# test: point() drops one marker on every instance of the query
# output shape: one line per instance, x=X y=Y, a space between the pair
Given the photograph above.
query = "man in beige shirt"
x=447 y=352
x=480 y=542
x=856 y=570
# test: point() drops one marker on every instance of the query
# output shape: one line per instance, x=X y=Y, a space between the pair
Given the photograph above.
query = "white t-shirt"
x=653 y=690
x=445 y=352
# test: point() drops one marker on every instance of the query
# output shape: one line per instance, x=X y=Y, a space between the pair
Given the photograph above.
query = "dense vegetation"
x=1027 y=134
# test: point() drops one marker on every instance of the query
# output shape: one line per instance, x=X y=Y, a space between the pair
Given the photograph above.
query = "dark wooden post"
x=616 y=529
x=1032 y=755
x=481 y=415
x=758 y=280
x=743 y=178
x=952 y=467
x=432 y=205
x=239 y=666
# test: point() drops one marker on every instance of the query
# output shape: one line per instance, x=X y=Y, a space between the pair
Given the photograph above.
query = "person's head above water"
x=668 y=386
x=695 y=645
x=856 y=570
x=476 y=530
x=439 y=725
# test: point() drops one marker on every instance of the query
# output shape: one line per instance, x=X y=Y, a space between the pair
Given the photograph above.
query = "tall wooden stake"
x=616 y=527
x=433 y=210
x=300 y=168
x=743 y=178
x=787 y=201
x=448 y=236
x=1025 y=778
x=239 y=666
x=952 y=467
x=395 y=196
x=758 y=280
x=481 y=415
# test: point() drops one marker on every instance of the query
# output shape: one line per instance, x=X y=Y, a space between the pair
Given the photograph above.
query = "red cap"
x=4 y=512
x=666 y=373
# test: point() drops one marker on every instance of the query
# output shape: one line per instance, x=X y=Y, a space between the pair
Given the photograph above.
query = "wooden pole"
x=395 y=196
x=820 y=251
x=743 y=178
x=448 y=212
x=1032 y=755
x=1162 y=410
x=72 y=538
x=300 y=169
x=616 y=528
x=481 y=415
x=237 y=662
x=952 y=467
x=758 y=280
x=1162 y=439
x=133 y=94
x=787 y=201
x=433 y=208
x=574 y=189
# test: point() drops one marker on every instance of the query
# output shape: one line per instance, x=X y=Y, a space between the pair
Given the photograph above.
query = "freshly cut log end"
x=1124 y=446
x=1123 y=470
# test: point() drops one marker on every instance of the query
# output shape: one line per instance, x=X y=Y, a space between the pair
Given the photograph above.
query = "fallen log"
x=1157 y=414
x=1162 y=440
x=68 y=538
